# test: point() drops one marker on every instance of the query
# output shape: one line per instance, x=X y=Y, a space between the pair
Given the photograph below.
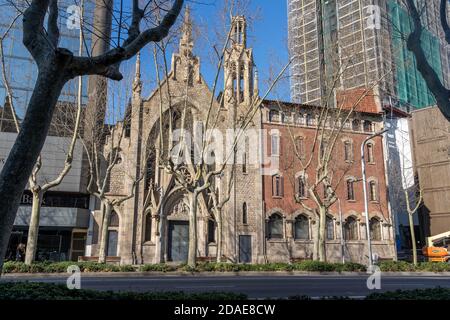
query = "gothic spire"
x=137 y=83
x=186 y=41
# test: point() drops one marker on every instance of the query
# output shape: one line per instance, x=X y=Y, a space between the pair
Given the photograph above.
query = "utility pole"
x=366 y=204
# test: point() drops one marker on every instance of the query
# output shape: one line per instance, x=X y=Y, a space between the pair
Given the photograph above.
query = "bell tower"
x=241 y=80
x=185 y=65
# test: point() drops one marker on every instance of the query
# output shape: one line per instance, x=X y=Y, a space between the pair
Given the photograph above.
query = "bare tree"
x=38 y=189
x=56 y=66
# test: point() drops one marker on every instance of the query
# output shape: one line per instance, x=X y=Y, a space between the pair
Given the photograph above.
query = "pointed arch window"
x=375 y=229
x=275 y=226
x=301 y=228
x=330 y=228
x=351 y=229
x=148 y=228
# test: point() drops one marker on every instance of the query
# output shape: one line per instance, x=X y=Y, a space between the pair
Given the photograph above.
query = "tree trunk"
x=316 y=240
x=413 y=238
x=104 y=234
x=34 y=227
x=192 y=255
x=27 y=147
x=219 y=235
x=322 y=235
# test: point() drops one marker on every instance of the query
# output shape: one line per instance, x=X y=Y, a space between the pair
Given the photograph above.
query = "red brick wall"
x=289 y=165
x=359 y=99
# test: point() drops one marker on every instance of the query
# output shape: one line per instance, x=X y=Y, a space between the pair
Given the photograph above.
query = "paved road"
x=255 y=286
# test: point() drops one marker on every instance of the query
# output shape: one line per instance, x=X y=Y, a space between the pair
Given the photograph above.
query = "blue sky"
x=267 y=35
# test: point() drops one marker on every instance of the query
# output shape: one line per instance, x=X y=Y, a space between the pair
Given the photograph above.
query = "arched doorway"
x=178 y=230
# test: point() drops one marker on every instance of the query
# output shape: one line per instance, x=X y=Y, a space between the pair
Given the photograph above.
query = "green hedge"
x=48 y=291
x=403 y=266
x=418 y=294
x=234 y=267
x=308 y=266
x=60 y=267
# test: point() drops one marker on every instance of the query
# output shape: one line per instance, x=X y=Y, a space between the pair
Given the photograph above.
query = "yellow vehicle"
x=437 y=248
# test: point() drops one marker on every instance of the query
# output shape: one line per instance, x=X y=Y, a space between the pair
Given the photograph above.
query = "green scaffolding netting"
x=410 y=85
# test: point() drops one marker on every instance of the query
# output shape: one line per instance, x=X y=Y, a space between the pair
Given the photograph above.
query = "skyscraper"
x=351 y=44
x=20 y=67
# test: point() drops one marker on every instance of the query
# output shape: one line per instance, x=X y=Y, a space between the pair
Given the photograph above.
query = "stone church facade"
x=152 y=226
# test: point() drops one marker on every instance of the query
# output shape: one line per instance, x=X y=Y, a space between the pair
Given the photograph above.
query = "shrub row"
x=418 y=294
x=49 y=291
x=403 y=266
x=58 y=267
x=311 y=266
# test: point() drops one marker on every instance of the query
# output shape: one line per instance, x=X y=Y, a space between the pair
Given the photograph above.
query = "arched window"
x=301 y=228
x=275 y=226
x=301 y=186
x=275 y=142
x=330 y=228
x=356 y=125
x=348 y=150
x=351 y=229
x=274 y=116
x=368 y=126
x=277 y=186
x=350 y=189
x=244 y=213
x=211 y=230
x=113 y=235
x=373 y=191
x=375 y=229
x=370 y=157
x=300 y=119
x=323 y=148
x=114 y=219
x=148 y=228
x=309 y=119
x=300 y=145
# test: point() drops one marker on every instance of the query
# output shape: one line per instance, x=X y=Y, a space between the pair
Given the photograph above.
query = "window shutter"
x=269 y=145
x=281 y=186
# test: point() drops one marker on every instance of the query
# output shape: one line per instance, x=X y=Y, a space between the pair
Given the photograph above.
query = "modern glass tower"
x=350 y=44
x=21 y=69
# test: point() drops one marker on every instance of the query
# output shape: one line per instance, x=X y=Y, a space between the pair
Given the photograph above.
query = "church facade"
x=153 y=225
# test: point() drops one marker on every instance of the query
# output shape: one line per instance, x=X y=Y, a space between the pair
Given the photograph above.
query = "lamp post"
x=366 y=204
x=342 y=232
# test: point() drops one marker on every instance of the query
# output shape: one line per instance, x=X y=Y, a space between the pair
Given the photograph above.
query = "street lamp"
x=366 y=204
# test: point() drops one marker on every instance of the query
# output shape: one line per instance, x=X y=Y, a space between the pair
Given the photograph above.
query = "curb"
x=217 y=274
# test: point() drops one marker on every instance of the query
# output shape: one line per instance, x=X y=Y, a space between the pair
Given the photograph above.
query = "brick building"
x=285 y=191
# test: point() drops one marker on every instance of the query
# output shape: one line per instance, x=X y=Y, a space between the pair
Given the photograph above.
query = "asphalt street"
x=254 y=286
